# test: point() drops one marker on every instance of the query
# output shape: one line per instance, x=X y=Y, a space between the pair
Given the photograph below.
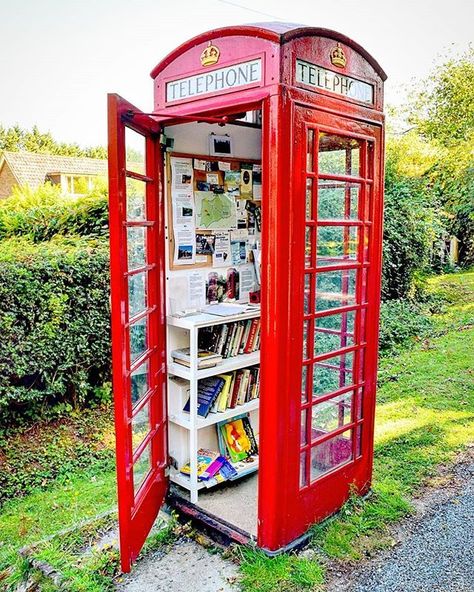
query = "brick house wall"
x=7 y=181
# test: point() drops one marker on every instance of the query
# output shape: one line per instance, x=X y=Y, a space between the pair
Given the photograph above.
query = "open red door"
x=138 y=321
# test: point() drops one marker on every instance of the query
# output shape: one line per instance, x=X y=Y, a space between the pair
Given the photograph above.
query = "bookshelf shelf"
x=227 y=365
x=188 y=431
x=242 y=469
x=183 y=419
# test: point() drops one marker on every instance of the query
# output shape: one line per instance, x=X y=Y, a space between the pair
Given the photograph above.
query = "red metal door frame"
x=138 y=328
x=285 y=509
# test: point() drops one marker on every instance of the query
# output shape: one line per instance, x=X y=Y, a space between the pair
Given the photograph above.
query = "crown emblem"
x=338 y=57
x=210 y=55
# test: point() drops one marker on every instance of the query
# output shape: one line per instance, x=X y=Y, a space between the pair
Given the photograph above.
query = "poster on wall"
x=182 y=204
x=215 y=211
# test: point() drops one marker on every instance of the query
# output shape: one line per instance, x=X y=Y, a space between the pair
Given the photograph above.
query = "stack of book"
x=206 y=359
x=227 y=391
x=231 y=339
x=237 y=455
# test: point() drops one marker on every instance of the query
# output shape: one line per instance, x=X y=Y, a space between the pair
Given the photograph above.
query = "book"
x=206 y=359
x=231 y=339
x=205 y=458
x=208 y=390
x=236 y=440
x=222 y=401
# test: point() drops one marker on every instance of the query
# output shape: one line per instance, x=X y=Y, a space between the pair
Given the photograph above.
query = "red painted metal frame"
x=137 y=511
x=285 y=510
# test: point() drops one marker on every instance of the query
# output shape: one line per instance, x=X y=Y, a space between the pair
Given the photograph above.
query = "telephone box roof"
x=277 y=32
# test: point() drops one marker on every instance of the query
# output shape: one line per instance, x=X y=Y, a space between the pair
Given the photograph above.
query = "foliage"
x=285 y=573
x=411 y=224
x=53 y=451
x=425 y=414
x=43 y=212
x=54 y=321
x=443 y=109
x=402 y=322
x=15 y=139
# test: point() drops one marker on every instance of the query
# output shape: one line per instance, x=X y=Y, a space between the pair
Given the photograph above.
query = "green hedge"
x=43 y=213
x=54 y=323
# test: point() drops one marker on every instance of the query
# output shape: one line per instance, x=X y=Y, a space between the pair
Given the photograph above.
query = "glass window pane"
x=138 y=338
x=331 y=454
x=308 y=249
x=309 y=151
x=303 y=472
x=304 y=383
x=332 y=374
x=303 y=427
x=141 y=468
x=336 y=245
x=309 y=199
x=140 y=426
x=136 y=247
x=135 y=199
x=307 y=293
x=139 y=382
x=331 y=415
x=338 y=155
x=335 y=289
x=136 y=294
x=338 y=200
x=359 y=441
x=135 y=151
x=334 y=332
x=306 y=353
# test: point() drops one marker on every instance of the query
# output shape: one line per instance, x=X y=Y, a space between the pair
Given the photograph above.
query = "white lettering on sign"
x=319 y=77
x=214 y=81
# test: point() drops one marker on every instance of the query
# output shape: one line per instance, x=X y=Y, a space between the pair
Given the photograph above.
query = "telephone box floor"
x=235 y=502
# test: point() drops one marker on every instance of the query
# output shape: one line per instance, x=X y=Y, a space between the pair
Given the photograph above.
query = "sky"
x=59 y=58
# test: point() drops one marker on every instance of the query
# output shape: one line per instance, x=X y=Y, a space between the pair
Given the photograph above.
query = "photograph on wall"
x=220 y=145
x=205 y=244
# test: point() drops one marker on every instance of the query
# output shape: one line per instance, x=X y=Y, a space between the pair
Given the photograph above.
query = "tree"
x=15 y=138
x=444 y=109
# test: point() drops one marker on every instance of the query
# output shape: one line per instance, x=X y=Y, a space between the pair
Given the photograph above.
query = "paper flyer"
x=183 y=211
x=196 y=289
x=246 y=282
x=221 y=255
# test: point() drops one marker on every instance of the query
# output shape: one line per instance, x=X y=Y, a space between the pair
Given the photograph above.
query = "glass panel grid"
x=332 y=374
x=339 y=155
x=330 y=454
x=141 y=468
x=338 y=200
x=337 y=245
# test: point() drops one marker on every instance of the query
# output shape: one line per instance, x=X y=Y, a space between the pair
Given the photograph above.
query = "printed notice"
x=196 y=290
x=182 y=206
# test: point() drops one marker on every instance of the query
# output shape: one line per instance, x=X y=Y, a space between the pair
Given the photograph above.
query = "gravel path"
x=436 y=553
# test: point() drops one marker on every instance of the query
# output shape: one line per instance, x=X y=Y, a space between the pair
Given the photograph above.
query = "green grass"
x=425 y=414
x=285 y=573
x=43 y=513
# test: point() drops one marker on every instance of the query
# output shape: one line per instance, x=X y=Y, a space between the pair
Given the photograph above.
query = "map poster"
x=215 y=211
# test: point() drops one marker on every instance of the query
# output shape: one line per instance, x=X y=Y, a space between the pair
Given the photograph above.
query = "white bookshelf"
x=189 y=431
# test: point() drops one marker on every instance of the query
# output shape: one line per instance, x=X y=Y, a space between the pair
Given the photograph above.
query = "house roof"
x=31 y=169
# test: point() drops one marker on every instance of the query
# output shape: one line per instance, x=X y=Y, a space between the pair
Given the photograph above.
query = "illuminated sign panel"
x=226 y=78
x=313 y=75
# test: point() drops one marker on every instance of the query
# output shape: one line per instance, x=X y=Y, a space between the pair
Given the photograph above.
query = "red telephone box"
x=304 y=106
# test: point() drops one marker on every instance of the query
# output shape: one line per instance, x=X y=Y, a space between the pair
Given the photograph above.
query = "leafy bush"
x=402 y=322
x=411 y=224
x=43 y=212
x=34 y=457
x=54 y=322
